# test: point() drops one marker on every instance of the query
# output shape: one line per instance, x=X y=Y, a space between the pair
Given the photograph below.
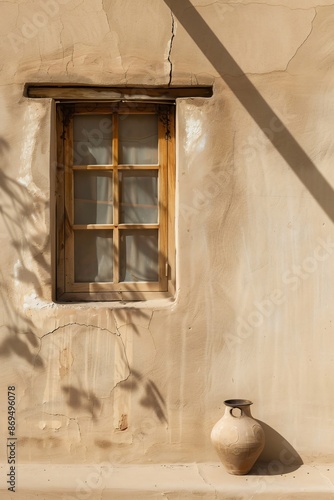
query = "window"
x=115 y=201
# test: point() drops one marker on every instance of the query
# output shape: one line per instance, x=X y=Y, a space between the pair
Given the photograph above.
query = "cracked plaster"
x=170 y=50
x=243 y=221
x=227 y=22
x=296 y=5
x=85 y=385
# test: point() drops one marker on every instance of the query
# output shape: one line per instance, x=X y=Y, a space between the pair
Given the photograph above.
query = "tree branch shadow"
x=17 y=205
x=22 y=344
x=150 y=396
x=20 y=339
x=83 y=400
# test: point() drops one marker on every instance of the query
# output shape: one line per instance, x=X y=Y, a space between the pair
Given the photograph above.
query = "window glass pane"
x=138 y=139
x=92 y=138
x=139 y=196
x=93 y=256
x=93 y=195
x=139 y=255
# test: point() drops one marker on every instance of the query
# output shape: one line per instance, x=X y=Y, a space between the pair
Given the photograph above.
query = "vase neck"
x=238 y=411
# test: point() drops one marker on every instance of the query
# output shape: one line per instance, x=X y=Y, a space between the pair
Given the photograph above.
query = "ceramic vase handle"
x=237 y=416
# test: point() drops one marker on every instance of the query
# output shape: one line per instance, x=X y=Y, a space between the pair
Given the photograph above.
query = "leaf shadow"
x=17 y=211
x=149 y=394
x=78 y=399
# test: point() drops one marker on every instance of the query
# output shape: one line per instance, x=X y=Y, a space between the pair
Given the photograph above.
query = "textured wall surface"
x=253 y=315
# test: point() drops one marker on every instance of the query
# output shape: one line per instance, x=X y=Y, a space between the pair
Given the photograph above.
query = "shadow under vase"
x=278 y=455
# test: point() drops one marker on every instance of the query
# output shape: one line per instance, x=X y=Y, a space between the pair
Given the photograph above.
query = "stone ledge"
x=169 y=481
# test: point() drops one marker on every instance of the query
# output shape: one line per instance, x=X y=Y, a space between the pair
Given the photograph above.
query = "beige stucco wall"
x=253 y=315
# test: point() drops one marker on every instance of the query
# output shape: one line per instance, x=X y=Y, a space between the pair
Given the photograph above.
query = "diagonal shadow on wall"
x=254 y=103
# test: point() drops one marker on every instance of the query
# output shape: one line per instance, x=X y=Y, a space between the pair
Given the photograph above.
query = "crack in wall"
x=305 y=40
x=117 y=326
x=55 y=330
x=117 y=333
x=150 y=320
x=61 y=36
x=170 y=49
x=104 y=9
x=78 y=324
x=205 y=481
x=79 y=428
x=64 y=326
x=71 y=60
x=151 y=334
x=72 y=419
x=324 y=476
x=123 y=377
x=120 y=381
x=241 y=4
x=58 y=414
x=229 y=7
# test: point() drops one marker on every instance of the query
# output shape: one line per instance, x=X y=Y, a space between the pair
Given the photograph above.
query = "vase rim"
x=236 y=403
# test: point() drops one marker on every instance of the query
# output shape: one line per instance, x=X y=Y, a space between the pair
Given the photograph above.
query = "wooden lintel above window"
x=67 y=92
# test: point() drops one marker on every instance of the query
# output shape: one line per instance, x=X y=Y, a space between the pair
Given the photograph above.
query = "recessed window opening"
x=115 y=200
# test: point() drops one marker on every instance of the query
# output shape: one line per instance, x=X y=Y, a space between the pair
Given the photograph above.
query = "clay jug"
x=237 y=437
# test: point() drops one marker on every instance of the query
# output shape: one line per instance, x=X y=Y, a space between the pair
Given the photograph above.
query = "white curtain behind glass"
x=93 y=191
x=92 y=138
x=93 y=256
x=139 y=255
x=138 y=145
x=139 y=197
x=138 y=139
x=93 y=197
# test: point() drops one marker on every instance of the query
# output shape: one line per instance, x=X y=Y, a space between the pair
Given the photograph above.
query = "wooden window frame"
x=66 y=288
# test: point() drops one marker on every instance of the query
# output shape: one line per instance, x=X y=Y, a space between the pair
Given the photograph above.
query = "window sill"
x=33 y=302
